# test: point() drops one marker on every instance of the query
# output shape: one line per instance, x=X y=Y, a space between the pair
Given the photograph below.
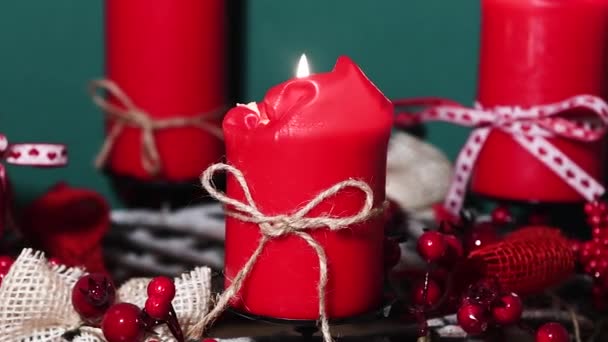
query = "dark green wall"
x=50 y=49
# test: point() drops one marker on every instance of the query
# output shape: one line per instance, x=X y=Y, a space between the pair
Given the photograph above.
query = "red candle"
x=168 y=57
x=309 y=134
x=537 y=52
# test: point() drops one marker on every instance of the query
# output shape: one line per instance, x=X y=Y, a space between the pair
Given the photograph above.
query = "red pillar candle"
x=307 y=135
x=168 y=57
x=536 y=52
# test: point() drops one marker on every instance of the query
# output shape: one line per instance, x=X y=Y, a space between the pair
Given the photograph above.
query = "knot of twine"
x=128 y=114
x=273 y=226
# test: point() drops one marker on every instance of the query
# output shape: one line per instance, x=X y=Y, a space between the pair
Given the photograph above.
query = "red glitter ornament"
x=472 y=318
x=92 y=295
x=508 y=310
x=525 y=263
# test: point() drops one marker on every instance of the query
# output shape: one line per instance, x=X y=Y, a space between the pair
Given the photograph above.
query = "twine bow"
x=530 y=127
x=128 y=114
x=36 y=302
x=273 y=226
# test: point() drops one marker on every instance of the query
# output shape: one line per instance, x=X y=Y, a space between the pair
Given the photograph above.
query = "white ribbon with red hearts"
x=530 y=127
x=38 y=154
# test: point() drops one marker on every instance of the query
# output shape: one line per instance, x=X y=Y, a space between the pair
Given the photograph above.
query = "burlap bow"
x=36 y=305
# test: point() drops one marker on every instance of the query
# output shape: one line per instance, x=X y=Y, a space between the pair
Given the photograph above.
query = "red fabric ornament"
x=527 y=261
x=69 y=224
x=442 y=215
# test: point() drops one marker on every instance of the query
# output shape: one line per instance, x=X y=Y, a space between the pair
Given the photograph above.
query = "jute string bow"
x=274 y=226
x=128 y=114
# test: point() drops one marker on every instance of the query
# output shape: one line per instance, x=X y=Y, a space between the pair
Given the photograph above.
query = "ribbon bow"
x=36 y=302
x=279 y=225
x=527 y=126
x=126 y=113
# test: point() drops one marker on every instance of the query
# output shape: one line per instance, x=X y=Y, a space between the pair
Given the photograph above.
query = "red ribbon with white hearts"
x=530 y=127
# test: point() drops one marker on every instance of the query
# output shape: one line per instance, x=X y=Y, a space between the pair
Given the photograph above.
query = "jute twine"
x=128 y=114
x=274 y=226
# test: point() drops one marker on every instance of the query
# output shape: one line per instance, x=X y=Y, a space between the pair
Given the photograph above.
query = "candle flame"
x=303 y=70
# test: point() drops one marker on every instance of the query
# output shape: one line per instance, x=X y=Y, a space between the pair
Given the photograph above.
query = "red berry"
x=596 y=232
x=595 y=208
x=501 y=215
x=508 y=310
x=157 y=308
x=586 y=254
x=162 y=287
x=92 y=295
x=55 y=261
x=5 y=264
x=393 y=217
x=431 y=246
x=472 y=319
x=576 y=246
x=392 y=253
x=597 y=250
x=594 y=220
x=552 y=332
x=432 y=296
x=208 y=340
x=123 y=323
x=481 y=235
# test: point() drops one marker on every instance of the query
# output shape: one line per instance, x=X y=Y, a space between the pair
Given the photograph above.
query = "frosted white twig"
x=204 y=221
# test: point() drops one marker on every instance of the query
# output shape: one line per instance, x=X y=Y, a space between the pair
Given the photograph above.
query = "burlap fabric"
x=35 y=302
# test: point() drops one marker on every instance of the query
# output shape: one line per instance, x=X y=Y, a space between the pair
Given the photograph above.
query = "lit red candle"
x=536 y=52
x=168 y=57
x=307 y=135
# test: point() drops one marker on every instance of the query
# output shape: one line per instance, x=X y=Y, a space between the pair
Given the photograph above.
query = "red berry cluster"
x=93 y=297
x=161 y=292
x=593 y=254
x=443 y=250
x=5 y=265
x=485 y=305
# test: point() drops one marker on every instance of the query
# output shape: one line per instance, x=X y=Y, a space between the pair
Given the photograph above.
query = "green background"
x=50 y=49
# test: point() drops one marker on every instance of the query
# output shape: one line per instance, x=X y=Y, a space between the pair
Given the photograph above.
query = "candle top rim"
x=341 y=100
